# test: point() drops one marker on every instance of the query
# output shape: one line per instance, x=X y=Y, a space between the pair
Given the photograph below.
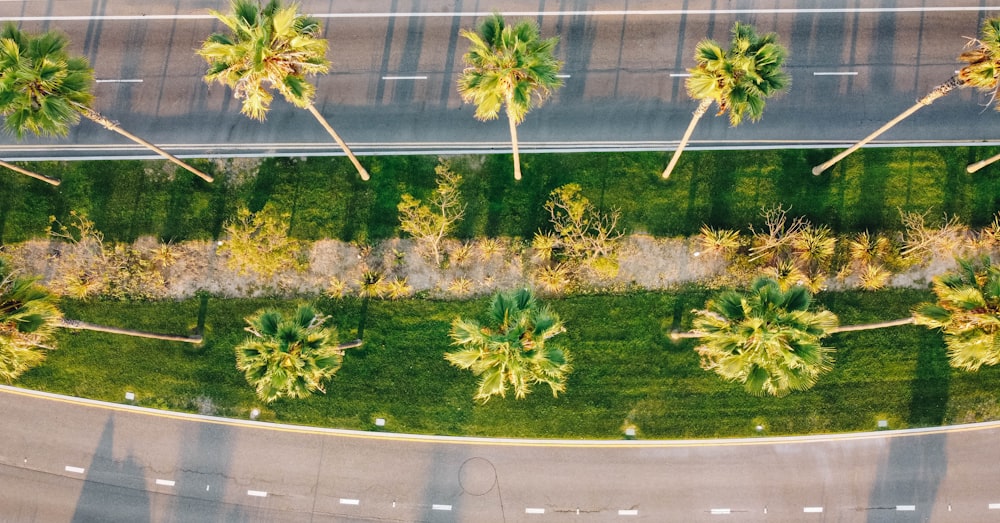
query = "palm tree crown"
x=766 y=339
x=739 y=79
x=28 y=319
x=968 y=312
x=289 y=357
x=512 y=351
x=509 y=67
x=41 y=86
x=270 y=47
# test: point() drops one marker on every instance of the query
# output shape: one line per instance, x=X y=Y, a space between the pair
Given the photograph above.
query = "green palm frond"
x=508 y=66
x=967 y=311
x=766 y=338
x=269 y=47
x=741 y=78
x=28 y=319
x=513 y=352
x=42 y=87
x=288 y=357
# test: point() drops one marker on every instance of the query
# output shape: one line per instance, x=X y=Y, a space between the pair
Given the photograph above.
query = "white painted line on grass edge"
x=440 y=507
x=720 y=511
x=835 y=73
x=257 y=493
x=630 y=512
x=815 y=510
x=906 y=508
x=534 y=511
x=346 y=501
x=166 y=482
x=78 y=470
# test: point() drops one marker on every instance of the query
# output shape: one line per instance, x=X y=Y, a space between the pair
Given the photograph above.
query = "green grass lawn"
x=127 y=199
x=626 y=371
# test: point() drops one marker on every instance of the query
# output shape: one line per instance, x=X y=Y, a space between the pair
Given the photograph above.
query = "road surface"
x=854 y=65
x=65 y=459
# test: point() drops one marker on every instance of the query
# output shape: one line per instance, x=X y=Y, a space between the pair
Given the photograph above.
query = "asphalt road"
x=65 y=459
x=854 y=65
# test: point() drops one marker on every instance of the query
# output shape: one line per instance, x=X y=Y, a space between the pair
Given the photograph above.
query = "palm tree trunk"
x=870 y=326
x=973 y=167
x=336 y=137
x=36 y=176
x=698 y=113
x=81 y=325
x=953 y=83
x=513 y=142
x=676 y=335
x=110 y=125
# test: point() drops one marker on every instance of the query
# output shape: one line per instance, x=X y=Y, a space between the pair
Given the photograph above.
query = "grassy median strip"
x=128 y=199
x=627 y=371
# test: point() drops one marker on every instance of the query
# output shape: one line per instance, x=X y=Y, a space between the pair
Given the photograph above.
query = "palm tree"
x=290 y=357
x=508 y=67
x=270 y=46
x=44 y=90
x=980 y=71
x=739 y=80
x=968 y=312
x=766 y=339
x=512 y=350
x=29 y=316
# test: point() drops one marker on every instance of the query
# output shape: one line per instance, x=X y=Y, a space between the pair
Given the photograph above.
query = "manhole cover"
x=477 y=476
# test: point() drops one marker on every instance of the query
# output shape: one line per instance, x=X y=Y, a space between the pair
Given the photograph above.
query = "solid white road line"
x=994 y=506
x=835 y=73
x=440 y=507
x=534 y=511
x=119 y=81
x=906 y=508
x=680 y=75
x=257 y=493
x=814 y=510
x=346 y=501
x=404 y=77
x=720 y=511
x=78 y=470
x=629 y=512
x=563 y=76
x=166 y=482
x=478 y=14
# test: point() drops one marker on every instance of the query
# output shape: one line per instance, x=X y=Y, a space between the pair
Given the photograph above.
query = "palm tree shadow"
x=112 y=491
x=916 y=465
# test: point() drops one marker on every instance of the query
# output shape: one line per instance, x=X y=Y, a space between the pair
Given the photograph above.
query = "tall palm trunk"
x=953 y=83
x=843 y=328
x=871 y=326
x=113 y=126
x=34 y=175
x=973 y=167
x=698 y=113
x=336 y=137
x=81 y=325
x=513 y=142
